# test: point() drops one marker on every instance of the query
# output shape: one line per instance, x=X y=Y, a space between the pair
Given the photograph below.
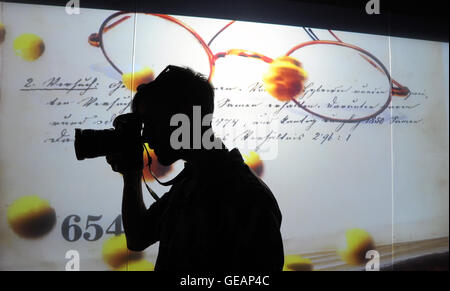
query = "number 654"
x=72 y=231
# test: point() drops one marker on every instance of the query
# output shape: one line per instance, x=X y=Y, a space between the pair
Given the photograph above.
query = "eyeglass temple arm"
x=220 y=31
x=399 y=90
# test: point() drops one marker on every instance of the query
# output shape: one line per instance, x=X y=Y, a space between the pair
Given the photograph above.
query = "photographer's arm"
x=133 y=209
x=141 y=224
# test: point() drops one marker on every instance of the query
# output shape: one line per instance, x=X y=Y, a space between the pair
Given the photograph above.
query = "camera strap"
x=179 y=177
x=150 y=190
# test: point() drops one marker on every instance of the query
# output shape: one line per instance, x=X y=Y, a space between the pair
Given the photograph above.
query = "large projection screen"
x=385 y=172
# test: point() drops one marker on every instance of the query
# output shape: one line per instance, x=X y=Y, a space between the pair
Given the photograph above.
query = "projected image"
x=347 y=132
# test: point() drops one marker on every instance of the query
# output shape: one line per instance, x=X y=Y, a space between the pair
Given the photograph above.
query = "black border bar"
x=426 y=20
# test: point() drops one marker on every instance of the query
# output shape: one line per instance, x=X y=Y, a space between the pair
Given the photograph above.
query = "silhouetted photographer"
x=218 y=215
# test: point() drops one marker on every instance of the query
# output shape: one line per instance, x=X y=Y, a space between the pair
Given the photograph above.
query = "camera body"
x=92 y=143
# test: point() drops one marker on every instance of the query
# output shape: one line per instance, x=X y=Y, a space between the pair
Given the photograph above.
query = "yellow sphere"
x=356 y=244
x=2 y=33
x=140 y=265
x=285 y=78
x=133 y=80
x=115 y=251
x=297 y=263
x=253 y=160
x=29 y=46
x=31 y=216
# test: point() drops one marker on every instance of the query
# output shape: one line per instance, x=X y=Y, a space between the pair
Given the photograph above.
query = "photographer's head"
x=175 y=90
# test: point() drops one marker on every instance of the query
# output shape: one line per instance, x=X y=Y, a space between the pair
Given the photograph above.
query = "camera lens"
x=90 y=143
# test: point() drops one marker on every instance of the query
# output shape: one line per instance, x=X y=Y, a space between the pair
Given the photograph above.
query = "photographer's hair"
x=177 y=89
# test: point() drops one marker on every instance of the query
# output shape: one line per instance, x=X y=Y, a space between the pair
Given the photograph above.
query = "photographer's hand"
x=130 y=158
x=127 y=162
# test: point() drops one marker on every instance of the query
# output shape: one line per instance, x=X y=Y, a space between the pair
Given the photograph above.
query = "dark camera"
x=92 y=143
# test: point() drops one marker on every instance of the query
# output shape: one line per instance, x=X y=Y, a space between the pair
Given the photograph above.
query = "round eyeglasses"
x=344 y=83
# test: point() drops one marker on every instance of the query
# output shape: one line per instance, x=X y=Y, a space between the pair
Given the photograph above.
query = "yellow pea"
x=31 y=216
x=140 y=265
x=253 y=160
x=115 y=252
x=285 y=78
x=355 y=245
x=29 y=46
x=297 y=263
x=2 y=33
x=133 y=80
